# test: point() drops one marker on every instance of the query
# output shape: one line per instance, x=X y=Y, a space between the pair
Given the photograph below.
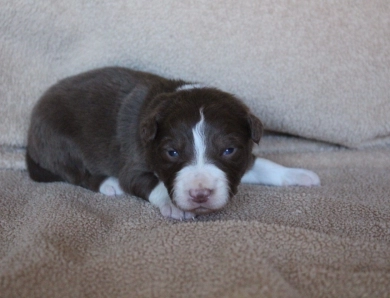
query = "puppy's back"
x=73 y=125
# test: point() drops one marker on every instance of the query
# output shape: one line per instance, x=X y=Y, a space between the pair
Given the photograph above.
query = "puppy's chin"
x=203 y=210
x=211 y=205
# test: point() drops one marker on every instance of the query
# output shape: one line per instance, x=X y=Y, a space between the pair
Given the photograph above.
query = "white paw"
x=159 y=197
x=110 y=187
x=171 y=211
x=302 y=177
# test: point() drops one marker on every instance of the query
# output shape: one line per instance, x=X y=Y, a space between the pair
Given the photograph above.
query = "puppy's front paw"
x=110 y=187
x=171 y=211
x=302 y=177
x=159 y=197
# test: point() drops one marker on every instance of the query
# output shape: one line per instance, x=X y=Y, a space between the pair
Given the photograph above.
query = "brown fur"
x=119 y=122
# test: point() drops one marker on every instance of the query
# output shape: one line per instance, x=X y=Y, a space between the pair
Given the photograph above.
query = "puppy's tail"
x=39 y=174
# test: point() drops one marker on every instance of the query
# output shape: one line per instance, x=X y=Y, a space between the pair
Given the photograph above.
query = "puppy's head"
x=199 y=143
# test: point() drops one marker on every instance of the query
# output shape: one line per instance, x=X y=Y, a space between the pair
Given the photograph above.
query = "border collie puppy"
x=181 y=146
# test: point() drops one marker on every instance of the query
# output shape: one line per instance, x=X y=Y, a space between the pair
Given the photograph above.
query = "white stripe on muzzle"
x=200 y=176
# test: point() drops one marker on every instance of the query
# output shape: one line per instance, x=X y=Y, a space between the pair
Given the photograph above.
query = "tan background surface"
x=310 y=68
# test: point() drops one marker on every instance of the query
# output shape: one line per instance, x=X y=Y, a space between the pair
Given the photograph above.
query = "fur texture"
x=117 y=130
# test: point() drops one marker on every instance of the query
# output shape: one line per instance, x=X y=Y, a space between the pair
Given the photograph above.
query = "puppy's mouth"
x=200 y=189
x=201 y=204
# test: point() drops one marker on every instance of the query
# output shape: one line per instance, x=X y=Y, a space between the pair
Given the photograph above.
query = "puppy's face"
x=199 y=144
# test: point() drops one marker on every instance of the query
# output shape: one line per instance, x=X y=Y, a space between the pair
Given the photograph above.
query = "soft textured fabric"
x=317 y=69
x=58 y=240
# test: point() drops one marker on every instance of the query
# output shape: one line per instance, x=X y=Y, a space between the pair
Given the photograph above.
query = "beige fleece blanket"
x=317 y=69
x=58 y=240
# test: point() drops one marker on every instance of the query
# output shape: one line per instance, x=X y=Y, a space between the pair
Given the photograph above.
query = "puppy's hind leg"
x=75 y=174
x=39 y=174
x=267 y=172
x=78 y=175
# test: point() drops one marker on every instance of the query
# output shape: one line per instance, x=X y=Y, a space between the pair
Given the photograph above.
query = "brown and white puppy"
x=182 y=146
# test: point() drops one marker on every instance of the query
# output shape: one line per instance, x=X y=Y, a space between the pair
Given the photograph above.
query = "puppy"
x=183 y=147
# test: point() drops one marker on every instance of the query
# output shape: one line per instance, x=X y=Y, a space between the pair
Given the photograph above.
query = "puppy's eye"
x=228 y=151
x=173 y=153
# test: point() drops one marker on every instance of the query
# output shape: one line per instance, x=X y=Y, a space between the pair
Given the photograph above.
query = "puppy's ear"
x=149 y=125
x=256 y=128
x=148 y=129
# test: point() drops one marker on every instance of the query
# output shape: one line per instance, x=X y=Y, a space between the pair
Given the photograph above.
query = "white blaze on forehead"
x=200 y=173
x=190 y=87
x=198 y=133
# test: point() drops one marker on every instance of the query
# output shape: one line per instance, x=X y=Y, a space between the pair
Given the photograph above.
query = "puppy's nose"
x=200 y=195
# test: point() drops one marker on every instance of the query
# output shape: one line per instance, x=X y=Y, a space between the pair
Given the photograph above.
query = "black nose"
x=200 y=195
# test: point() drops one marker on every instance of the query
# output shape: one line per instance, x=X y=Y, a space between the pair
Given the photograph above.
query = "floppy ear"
x=148 y=128
x=256 y=128
x=149 y=123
